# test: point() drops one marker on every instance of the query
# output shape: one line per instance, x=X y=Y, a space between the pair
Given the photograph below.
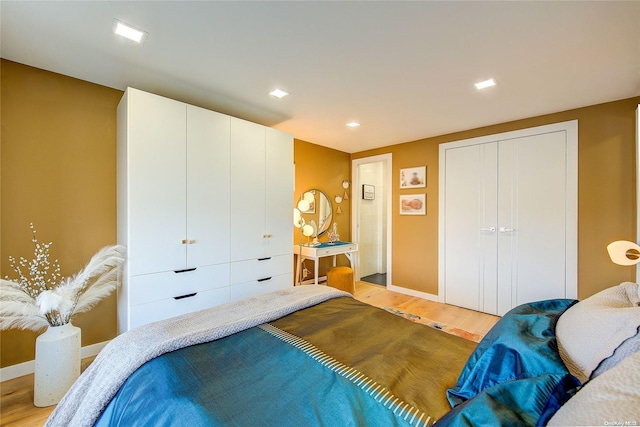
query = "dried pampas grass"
x=53 y=305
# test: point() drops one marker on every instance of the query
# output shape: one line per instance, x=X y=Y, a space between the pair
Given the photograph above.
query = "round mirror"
x=319 y=209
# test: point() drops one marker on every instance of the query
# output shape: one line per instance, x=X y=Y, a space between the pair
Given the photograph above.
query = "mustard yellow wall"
x=606 y=195
x=323 y=169
x=59 y=172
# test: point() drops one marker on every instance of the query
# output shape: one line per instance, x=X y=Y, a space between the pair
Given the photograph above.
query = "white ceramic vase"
x=57 y=363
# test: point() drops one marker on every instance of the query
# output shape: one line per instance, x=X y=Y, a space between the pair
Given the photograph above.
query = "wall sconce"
x=338 y=200
x=623 y=252
x=345 y=185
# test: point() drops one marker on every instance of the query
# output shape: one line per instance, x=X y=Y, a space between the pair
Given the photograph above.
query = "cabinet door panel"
x=532 y=203
x=156 y=183
x=208 y=187
x=247 y=190
x=469 y=251
x=279 y=192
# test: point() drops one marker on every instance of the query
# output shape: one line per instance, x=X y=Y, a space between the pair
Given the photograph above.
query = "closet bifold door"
x=532 y=227
x=508 y=218
x=470 y=227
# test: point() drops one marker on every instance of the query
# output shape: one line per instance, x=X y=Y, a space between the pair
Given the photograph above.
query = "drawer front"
x=251 y=270
x=328 y=251
x=243 y=290
x=160 y=286
x=166 y=308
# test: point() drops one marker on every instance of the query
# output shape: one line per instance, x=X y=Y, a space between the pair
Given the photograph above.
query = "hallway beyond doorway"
x=376 y=279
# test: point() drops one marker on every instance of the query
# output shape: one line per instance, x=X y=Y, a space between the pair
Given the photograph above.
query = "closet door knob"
x=506 y=230
x=491 y=229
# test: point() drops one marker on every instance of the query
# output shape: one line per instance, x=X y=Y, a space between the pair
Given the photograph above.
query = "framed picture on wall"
x=413 y=204
x=413 y=177
x=368 y=192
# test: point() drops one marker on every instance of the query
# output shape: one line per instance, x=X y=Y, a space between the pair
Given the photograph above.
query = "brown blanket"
x=416 y=362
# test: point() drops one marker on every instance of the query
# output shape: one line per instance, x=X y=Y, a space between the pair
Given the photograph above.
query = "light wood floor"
x=16 y=396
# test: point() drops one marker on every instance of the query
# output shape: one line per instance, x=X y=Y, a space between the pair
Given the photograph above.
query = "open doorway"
x=371 y=220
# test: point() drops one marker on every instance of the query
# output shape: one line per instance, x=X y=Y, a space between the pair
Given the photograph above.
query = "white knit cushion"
x=613 y=398
x=591 y=330
x=626 y=349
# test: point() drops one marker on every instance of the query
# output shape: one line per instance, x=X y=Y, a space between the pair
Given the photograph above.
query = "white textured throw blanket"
x=85 y=401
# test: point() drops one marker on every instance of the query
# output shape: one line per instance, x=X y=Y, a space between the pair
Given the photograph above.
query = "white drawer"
x=247 y=289
x=254 y=269
x=329 y=250
x=166 y=308
x=159 y=286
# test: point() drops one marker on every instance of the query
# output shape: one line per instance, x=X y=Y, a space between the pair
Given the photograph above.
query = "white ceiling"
x=405 y=70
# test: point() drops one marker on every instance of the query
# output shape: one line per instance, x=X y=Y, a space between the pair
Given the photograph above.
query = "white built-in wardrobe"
x=508 y=218
x=204 y=208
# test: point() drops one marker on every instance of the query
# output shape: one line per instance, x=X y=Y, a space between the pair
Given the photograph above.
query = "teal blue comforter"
x=515 y=377
x=266 y=377
x=272 y=369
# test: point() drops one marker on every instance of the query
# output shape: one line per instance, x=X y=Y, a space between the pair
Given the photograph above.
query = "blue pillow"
x=515 y=375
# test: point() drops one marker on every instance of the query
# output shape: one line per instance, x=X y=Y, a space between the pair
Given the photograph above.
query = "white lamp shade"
x=303 y=205
x=622 y=252
x=308 y=197
x=298 y=221
x=307 y=230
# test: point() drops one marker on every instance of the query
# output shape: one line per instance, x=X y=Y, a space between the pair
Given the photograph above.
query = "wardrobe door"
x=532 y=219
x=469 y=251
x=208 y=187
x=248 y=190
x=279 y=192
x=155 y=147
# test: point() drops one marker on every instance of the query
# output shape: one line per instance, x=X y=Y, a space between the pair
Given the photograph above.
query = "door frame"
x=571 y=202
x=355 y=206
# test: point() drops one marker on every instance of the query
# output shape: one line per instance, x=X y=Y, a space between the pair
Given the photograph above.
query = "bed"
x=313 y=355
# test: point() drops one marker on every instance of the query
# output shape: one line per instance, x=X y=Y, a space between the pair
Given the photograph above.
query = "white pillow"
x=626 y=349
x=612 y=398
x=591 y=330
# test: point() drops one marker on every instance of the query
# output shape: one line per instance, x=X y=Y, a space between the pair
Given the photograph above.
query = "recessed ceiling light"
x=485 y=84
x=278 y=93
x=353 y=124
x=127 y=31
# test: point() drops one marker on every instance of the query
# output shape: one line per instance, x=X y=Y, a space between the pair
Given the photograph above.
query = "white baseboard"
x=26 y=368
x=413 y=293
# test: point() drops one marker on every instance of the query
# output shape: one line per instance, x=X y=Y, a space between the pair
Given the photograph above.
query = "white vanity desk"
x=325 y=249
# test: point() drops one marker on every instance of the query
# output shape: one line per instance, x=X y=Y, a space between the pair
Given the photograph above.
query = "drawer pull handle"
x=185 y=270
x=186 y=296
x=264 y=259
x=265 y=279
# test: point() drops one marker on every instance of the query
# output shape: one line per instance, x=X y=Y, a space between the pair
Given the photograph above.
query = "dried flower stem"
x=42 y=293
